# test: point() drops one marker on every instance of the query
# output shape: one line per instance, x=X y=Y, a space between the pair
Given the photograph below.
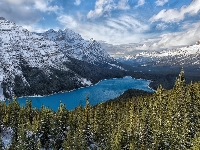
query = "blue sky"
x=161 y=23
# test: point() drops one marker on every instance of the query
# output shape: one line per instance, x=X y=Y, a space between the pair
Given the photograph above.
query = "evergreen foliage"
x=43 y=83
x=167 y=119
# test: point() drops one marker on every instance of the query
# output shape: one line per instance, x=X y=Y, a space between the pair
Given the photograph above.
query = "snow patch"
x=7 y=136
x=84 y=81
x=116 y=66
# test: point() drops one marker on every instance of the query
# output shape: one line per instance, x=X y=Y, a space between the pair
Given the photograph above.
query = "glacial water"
x=101 y=92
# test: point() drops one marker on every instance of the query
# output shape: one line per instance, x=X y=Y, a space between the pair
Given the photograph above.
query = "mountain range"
x=183 y=56
x=58 y=61
x=50 y=62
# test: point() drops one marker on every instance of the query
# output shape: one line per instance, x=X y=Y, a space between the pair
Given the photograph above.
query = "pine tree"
x=116 y=139
x=2 y=115
x=196 y=142
x=13 y=119
x=163 y=120
x=45 y=127
x=87 y=131
x=29 y=111
x=193 y=107
x=60 y=125
x=21 y=143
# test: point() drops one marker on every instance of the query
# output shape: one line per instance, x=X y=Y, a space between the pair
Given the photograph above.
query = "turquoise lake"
x=101 y=92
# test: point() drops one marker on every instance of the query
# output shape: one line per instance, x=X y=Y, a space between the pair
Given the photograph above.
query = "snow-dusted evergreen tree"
x=60 y=126
x=163 y=120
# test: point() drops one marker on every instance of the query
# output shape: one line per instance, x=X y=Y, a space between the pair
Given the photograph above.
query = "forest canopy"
x=166 y=119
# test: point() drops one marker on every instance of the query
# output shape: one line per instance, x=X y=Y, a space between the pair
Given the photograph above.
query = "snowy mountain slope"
x=33 y=64
x=189 y=55
x=73 y=45
x=17 y=44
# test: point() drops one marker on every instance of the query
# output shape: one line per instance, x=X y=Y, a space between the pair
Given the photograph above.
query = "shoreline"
x=89 y=86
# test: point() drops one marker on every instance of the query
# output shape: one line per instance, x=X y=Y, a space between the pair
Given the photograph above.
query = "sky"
x=153 y=23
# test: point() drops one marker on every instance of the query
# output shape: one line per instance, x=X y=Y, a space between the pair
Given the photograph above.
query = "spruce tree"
x=45 y=127
x=60 y=125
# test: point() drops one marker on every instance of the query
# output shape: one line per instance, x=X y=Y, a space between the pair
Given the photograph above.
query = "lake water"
x=101 y=92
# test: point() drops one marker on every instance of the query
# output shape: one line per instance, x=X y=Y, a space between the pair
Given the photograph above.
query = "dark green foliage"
x=96 y=72
x=131 y=93
x=41 y=83
x=164 y=75
x=162 y=120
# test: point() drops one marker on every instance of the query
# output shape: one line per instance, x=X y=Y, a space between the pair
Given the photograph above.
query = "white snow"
x=86 y=82
x=189 y=50
x=116 y=66
x=75 y=46
x=1 y=93
x=182 y=55
x=7 y=136
x=16 y=43
x=44 y=51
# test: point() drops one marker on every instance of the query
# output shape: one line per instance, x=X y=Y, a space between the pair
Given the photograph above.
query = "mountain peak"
x=49 y=56
x=73 y=45
x=51 y=30
x=2 y=18
x=198 y=42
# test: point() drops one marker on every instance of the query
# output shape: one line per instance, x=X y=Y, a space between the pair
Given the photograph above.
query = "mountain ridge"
x=34 y=64
x=183 y=56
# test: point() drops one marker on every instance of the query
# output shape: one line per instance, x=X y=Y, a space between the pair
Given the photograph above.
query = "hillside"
x=41 y=64
x=163 y=120
x=73 y=45
x=162 y=67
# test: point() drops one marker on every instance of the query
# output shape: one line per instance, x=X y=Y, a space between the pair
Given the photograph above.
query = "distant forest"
x=164 y=120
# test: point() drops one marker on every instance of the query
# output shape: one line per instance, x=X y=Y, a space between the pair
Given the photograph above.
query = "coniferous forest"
x=164 y=120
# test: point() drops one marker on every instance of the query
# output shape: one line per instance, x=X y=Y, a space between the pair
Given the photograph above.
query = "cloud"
x=77 y=2
x=103 y=7
x=161 y=26
x=174 y=15
x=124 y=29
x=20 y=12
x=44 y=6
x=18 y=2
x=189 y=36
x=128 y=23
x=140 y=3
x=67 y=21
x=34 y=29
x=26 y=11
x=161 y=2
x=123 y=5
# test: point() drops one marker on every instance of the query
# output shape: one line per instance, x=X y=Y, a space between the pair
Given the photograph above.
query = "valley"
x=99 y=75
x=33 y=64
x=101 y=92
x=162 y=67
x=58 y=61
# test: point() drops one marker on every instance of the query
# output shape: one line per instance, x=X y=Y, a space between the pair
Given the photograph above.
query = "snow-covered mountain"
x=17 y=44
x=73 y=45
x=184 y=56
x=33 y=64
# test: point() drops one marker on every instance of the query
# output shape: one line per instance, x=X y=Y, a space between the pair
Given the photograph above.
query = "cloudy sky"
x=161 y=23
